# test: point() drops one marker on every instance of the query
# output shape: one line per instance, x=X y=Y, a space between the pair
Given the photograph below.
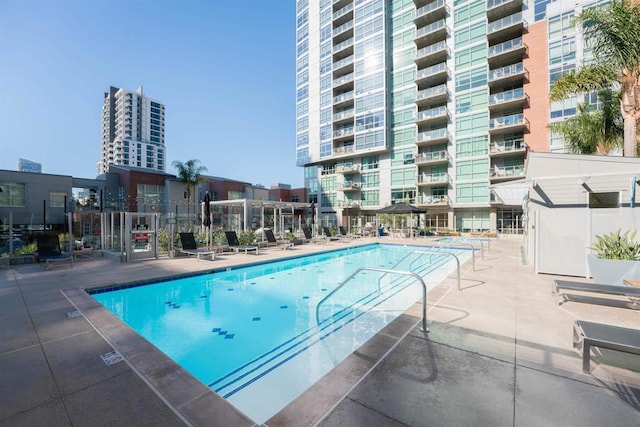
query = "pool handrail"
x=382 y=270
x=426 y=251
x=453 y=245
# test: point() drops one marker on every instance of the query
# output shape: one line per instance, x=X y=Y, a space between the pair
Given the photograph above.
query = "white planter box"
x=612 y=271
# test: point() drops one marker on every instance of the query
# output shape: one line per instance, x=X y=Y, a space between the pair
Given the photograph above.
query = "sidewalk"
x=499 y=352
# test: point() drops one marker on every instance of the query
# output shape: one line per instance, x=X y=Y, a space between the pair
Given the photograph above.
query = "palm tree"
x=613 y=32
x=189 y=173
x=593 y=131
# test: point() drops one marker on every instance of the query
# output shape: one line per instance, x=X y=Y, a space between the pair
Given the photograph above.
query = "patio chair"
x=344 y=233
x=604 y=336
x=285 y=244
x=310 y=239
x=189 y=247
x=234 y=243
x=49 y=250
x=631 y=292
x=330 y=236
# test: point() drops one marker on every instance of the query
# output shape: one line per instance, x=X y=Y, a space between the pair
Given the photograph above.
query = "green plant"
x=617 y=245
x=246 y=237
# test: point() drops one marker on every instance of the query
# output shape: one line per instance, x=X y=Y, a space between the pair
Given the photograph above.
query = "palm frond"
x=587 y=79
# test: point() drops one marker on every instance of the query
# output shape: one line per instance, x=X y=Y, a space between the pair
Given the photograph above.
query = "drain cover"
x=75 y=313
x=111 y=358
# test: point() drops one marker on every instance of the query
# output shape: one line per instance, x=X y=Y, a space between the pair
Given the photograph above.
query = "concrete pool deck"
x=499 y=352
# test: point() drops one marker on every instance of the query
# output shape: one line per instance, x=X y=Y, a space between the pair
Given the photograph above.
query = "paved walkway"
x=499 y=352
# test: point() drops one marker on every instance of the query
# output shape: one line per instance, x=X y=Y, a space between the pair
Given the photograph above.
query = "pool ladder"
x=386 y=271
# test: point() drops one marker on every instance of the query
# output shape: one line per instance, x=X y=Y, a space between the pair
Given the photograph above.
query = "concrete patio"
x=499 y=352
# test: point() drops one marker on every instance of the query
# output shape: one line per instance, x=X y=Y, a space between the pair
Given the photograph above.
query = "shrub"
x=617 y=245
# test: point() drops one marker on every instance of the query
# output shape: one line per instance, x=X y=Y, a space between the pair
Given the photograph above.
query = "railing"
x=342 y=45
x=428 y=50
x=434 y=199
x=343 y=169
x=433 y=179
x=432 y=134
x=473 y=250
x=349 y=185
x=343 y=150
x=432 y=91
x=505 y=46
x=344 y=27
x=434 y=69
x=506 y=146
x=344 y=79
x=509 y=70
x=343 y=62
x=386 y=271
x=433 y=112
x=507 y=171
x=508 y=95
x=495 y=3
x=430 y=7
x=504 y=121
x=343 y=132
x=438 y=25
x=433 y=155
x=343 y=97
x=505 y=22
x=428 y=252
x=338 y=13
x=343 y=114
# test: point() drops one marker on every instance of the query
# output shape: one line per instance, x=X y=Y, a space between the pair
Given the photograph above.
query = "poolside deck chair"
x=49 y=250
x=330 y=236
x=310 y=239
x=190 y=247
x=285 y=244
x=234 y=243
x=631 y=292
x=604 y=336
x=343 y=233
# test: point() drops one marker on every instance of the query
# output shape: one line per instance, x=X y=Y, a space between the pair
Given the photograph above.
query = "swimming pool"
x=251 y=333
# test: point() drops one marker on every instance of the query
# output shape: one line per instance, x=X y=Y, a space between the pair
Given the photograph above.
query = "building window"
x=403 y=195
x=13 y=194
x=56 y=199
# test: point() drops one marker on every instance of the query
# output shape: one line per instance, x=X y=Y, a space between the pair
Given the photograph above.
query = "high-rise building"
x=427 y=102
x=132 y=131
x=25 y=165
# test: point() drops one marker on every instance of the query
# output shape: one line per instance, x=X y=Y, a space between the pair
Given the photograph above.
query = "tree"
x=613 y=32
x=189 y=173
x=593 y=131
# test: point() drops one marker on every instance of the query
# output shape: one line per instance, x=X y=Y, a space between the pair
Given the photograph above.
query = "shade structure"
x=206 y=218
x=401 y=208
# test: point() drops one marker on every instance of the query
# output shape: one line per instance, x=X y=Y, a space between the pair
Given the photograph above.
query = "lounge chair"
x=604 y=336
x=330 y=236
x=285 y=244
x=344 y=233
x=190 y=247
x=234 y=243
x=49 y=250
x=631 y=292
x=309 y=237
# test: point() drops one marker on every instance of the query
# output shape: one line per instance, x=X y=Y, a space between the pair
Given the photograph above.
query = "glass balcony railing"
x=506 y=96
x=431 y=113
x=431 y=156
x=343 y=132
x=436 y=47
x=342 y=45
x=507 y=171
x=338 y=13
x=436 y=199
x=439 y=178
x=506 y=121
x=434 y=69
x=432 y=91
x=495 y=3
x=433 y=134
x=505 y=22
x=507 y=46
x=509 y=70
x=426 y=9
x=438 y=25
x=347 y=169
x=344 y=79
x=343 y=115
x=343 y=97
x=507 y=146
x=342 y=28
x=343 y=62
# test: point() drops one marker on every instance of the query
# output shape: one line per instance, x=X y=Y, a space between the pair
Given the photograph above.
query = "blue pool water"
x=251 y=333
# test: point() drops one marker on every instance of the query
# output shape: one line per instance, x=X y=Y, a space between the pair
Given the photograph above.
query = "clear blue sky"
x=223 y=68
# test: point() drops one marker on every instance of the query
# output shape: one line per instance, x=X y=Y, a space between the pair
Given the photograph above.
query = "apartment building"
x=132 y=131
x=427 y=102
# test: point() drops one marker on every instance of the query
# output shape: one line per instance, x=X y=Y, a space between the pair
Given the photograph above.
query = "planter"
x=611 y=271
x=297 y=242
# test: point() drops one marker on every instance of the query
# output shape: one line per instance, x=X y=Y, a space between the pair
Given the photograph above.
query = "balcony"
x=433 y=136
x=433 y=94
x=432 y=115
x=432 y=54
x=346 y=115
x=433 y=179
x=508 y=147
x=349 y=186
x=432 y=157
x=343 y=13
x=430 y=12
x=506 y=173
x=342 y=45
x=343 y=32
x=433 y=200
x=510 y=123
x=508 y=99
x=435 y=73
x=497 y=9
x=431 y=33
x=344 y=133
x=506 y=52
x=344 y=150
x=348 y=61
x=343 y=81
x=508 y=75
x=343 y=98
x=506 y=28
x=348 y=170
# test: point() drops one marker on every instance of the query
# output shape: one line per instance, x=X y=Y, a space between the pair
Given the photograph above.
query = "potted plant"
x=616 y=253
